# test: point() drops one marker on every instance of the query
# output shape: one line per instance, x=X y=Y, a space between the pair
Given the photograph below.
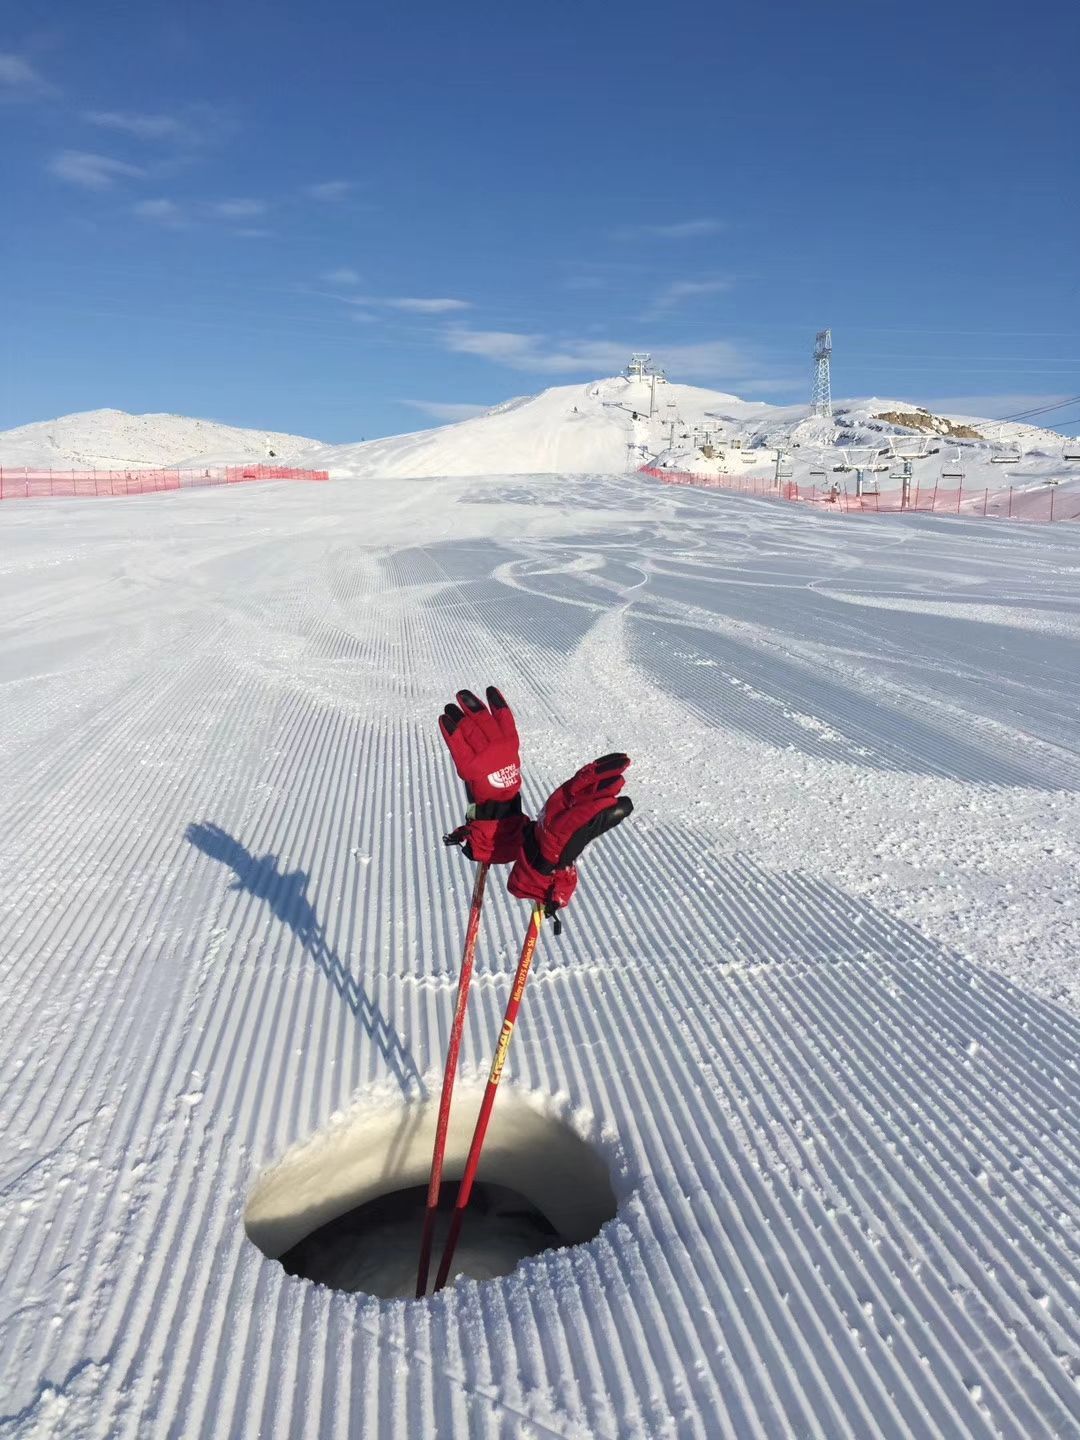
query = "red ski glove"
x=585 y=806
x=485 y=749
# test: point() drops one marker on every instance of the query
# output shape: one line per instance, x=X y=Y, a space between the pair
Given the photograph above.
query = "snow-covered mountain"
x=603 y=427
x=618 y=424
x=103 y=439
x=607 y=426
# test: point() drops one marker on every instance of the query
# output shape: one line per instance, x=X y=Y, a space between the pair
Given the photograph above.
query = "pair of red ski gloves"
x=483 y=741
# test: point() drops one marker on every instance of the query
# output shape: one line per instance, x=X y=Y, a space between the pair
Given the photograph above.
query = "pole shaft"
x=513 y=1005
x=449 y=1075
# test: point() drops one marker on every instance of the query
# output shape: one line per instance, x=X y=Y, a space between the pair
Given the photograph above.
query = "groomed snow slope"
x=104 y=439
x=816 y=1002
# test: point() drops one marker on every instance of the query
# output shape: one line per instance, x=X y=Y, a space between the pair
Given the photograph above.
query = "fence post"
x=986 y=500
x=933 y=503
x=1010 y=499
x=959 y=497
x=1053 y=492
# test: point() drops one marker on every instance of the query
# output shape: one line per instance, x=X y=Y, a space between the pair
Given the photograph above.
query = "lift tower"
x=821 y=400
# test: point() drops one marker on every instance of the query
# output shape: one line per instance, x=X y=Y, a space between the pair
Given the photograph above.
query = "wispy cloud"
x=344 y=275
x=536 y=353
x=143 y=127
x=420 y=306
x=91 y=171
x=160 y=212
x=181 y=131
x=679 y=291
x=347 y=278
x=447 y=409
x=238 y=209
x=329 y=189
x=672 y=230
x=708 y=360
x=605 y=274
x=20 y=81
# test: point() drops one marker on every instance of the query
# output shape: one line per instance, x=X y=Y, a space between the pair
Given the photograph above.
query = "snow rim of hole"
x=347 y=1163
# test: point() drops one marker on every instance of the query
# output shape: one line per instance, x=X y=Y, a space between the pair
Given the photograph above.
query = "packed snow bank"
x=384 y=1149
x=107 y=439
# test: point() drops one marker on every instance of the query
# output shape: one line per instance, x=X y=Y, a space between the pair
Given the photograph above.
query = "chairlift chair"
x=1011 y=456
x=1071 y=450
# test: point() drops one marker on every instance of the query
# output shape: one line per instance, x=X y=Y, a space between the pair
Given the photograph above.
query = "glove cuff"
x=530 y=849
x=495 y=809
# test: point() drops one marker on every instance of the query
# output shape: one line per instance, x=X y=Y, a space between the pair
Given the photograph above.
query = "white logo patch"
x=503 y=779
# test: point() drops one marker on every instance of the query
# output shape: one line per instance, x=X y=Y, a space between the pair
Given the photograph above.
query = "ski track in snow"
x=845 y=1140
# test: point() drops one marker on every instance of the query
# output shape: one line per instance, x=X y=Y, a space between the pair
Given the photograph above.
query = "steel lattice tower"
x=821 y=402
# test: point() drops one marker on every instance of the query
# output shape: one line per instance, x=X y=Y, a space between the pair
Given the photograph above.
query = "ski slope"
x=816 y=1005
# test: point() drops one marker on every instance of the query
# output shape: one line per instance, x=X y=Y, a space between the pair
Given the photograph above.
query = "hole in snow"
x=346 y=1208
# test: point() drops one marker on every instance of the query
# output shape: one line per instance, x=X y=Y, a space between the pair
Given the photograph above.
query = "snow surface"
x=815 y=1005
x=105 y=439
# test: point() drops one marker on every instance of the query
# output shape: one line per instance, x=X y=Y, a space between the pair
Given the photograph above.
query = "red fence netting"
x=23 y=483
x=1011 y=502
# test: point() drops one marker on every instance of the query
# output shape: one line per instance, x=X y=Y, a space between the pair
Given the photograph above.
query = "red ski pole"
x=449 y=1076
x=501 y=1049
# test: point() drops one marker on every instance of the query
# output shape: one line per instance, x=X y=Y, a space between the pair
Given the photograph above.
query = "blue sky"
x=347 y=220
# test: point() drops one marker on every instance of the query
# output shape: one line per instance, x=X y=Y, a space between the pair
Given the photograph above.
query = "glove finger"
x=502 y=714
x=450 y=719
x=615 y=761
x=468 y=701
x=481 y=727
x=613 y=783
x=589 y=776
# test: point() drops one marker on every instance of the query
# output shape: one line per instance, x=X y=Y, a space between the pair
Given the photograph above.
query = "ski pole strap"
x=551 y=912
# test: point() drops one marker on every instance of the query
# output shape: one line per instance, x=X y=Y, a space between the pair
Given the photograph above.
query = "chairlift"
x=953 y=469
x=907 y=449
x=1071 y=450
x=1009 y=456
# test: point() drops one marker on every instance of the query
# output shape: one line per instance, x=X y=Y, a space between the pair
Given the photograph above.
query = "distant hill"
x=106 y=439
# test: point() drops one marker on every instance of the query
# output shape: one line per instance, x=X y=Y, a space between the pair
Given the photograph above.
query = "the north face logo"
x=503 y=779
